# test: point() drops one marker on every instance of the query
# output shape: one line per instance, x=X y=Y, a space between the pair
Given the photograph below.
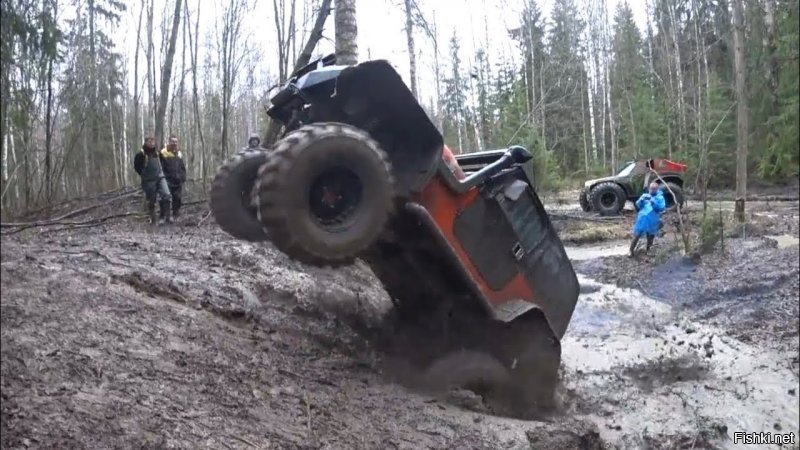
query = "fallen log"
x=25 y=226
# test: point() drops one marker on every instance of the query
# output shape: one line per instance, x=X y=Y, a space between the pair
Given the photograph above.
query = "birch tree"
x=346 y=32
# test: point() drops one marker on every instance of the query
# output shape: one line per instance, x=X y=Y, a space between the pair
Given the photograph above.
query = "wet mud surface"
x=119 y=337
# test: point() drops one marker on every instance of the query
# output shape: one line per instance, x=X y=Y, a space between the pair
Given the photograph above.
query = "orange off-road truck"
x=360 y=173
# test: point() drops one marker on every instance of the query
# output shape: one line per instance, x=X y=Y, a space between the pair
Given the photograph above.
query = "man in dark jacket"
x=175 y=172
x=147 y=164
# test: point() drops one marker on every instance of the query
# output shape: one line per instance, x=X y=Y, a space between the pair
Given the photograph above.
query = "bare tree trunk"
x=437 y=74
x=700 y=107
x=230 y=63
x=193 y=50
x=94 y=101
x=633 y=124
x=412 y=57
x=543 y=100
x=293 y=31
x=26 y=179
x=182 y=85
x=151 y=83
x=583 y=129
x=280 y=29
x=607 y=69
x=11 y=146
x=6 y=133
x=679 y=76
x=770 y=47
x=314 y=36
x=136 y=137
x=166 y=75
x=742 y=126
x=48 y=140
x=346 y=32
x=117 y=174
x=124 y=150
x=650 y=77
x=770 y=44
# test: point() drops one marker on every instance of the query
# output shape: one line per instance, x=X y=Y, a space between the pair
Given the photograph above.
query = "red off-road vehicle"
x=608 y=195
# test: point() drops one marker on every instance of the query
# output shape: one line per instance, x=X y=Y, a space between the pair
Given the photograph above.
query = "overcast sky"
x=381 y=30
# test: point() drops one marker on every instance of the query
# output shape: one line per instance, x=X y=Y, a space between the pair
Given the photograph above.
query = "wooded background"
x=708 y=82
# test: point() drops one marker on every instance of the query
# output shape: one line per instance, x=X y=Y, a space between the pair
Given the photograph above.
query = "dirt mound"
x=181 y=337
x=115 y=334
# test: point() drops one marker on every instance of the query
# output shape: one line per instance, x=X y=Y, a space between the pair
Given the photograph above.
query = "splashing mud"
x=635 y=367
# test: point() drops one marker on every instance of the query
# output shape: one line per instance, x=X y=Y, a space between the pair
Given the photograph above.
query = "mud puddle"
x=785 y=240
x=585 y=252
x=638 y=370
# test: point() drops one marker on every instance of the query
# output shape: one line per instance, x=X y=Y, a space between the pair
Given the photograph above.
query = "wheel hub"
x=334 y=196
x=608 y=199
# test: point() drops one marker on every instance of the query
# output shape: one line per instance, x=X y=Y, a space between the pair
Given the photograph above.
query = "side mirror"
x=519 y=154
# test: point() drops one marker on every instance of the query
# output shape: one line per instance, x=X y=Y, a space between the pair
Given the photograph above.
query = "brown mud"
x=118 y=336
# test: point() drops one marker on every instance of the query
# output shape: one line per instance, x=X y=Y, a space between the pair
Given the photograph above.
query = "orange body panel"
x=443 y=204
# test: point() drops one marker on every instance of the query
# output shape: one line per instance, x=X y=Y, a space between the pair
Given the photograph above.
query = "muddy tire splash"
x=512 y=366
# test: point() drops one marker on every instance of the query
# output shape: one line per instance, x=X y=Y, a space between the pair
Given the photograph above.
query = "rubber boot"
x=650 y=239
x=164 y=209
x=151 y=213
x=633 y=244
x=168 y=217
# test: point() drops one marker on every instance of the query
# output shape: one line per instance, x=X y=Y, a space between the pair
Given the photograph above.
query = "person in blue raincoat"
x=648 y=220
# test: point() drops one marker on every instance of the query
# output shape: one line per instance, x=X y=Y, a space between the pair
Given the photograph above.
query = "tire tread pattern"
x=229 y=213
x=271 y=184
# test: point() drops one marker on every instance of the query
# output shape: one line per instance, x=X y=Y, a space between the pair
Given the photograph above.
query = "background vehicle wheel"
x=325 y=193
x=670 y=201
x=607 y=198
x=583 y=200
x=230 y=196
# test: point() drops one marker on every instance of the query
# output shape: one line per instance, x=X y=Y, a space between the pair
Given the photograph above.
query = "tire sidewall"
x=603 y=189
x=583 y=200
x=231 y=199
x=326 y=152
x=678 y=198
x=244 y=177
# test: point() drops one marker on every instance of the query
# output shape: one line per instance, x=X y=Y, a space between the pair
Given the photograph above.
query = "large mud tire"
x=607 y=198
x=325 y=193
x=583 y=200
x=533 y=354
x=670 y=201
x=514 y=368
x=231 y=190
x=470 y=369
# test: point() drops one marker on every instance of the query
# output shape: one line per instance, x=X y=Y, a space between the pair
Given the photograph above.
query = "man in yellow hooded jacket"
x=174 y=172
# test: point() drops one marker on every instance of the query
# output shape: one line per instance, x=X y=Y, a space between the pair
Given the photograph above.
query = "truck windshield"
x=626 y=170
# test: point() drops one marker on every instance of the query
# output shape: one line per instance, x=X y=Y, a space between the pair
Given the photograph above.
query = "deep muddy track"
x=119 y=337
